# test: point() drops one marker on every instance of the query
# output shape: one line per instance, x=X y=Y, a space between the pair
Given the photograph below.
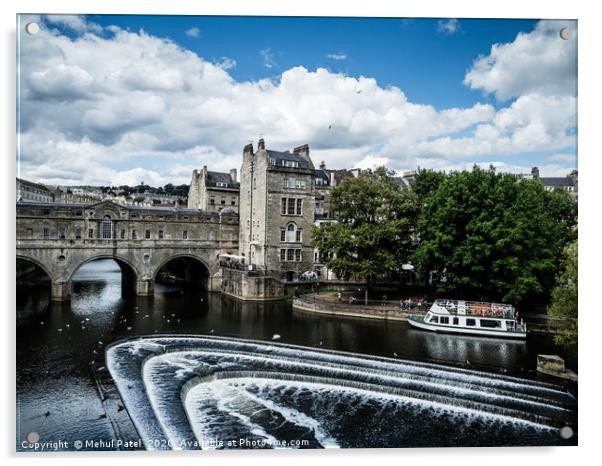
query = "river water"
x=67 y=391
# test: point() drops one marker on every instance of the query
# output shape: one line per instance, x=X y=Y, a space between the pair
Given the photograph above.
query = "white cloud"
x=448 y=26
x=193 y=32
x=538 y=61
x=77 y=23
x=226 y=63
x=268 y=58
x=337 y=56
x=500 y=167
x=99 y=109
x=564 y=157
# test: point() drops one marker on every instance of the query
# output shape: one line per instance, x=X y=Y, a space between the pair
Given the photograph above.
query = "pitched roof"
x=557 y=181
x=213 y=178
x=277 y=156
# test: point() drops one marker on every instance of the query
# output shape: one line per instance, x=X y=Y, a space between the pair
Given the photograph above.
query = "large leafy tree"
x=373 y=234
x=564 y=297
x=489 y=236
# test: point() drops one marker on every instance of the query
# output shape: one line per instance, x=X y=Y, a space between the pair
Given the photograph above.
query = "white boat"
x=471 y=318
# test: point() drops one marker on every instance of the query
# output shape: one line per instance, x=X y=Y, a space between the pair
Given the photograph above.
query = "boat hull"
x=417 y=322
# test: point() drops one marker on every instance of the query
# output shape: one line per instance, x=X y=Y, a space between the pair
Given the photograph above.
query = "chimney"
x=233 y=174
x=248 y=149
x=261 y=144
x=205 y=171
x=302 y=150
x=535 y=173
x=333 y=179
x=322 y=165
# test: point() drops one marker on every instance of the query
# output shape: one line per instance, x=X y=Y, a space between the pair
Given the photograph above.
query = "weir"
x=185 y=389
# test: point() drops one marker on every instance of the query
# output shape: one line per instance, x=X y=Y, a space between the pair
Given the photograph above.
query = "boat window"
x=434 y=319
x=444 y=320
x=456 y=321
x=470 y=322
x=491 y=323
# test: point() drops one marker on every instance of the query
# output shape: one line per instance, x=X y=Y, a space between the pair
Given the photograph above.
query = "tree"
x=373 y=233
x=489 y=236
x=564 y=297
x=427 y=182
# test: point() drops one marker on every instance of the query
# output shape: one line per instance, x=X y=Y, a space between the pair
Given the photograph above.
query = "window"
x=290 y=254
x=30 y=232
x=106 y=227
x=291 y=206
x=434 y=320
x=134 y=234
x=298 y=255
x=283 y=235
x=456 y=321
x=223 y=200
x=160 y=234
x=233 y=202
x=283 y=206
x=299 y=204
x=46 y=232
x=185 y=234
x=298 y=236
x=90 y=233
x=78 y=233
x=290 y=233
x=212 y=200
x=147 y=234
x=470 y=322
x=122 y=234
x=444 y=320
x=283 y=254
x=490 y=323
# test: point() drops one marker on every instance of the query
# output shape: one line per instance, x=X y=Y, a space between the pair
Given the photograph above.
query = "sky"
x=122 y=99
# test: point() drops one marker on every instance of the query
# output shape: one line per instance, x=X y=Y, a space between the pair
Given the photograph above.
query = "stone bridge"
x=60 y=238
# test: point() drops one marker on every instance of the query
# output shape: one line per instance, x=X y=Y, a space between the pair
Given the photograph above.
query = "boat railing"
x=477 y=309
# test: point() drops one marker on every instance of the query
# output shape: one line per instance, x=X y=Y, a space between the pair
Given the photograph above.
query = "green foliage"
x=427 y=182
x=373 y=234
x=565 y=296
x=493 y=237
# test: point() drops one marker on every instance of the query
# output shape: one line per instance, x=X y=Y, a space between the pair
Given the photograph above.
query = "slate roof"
x=276 y=156
x=218 y=177
x=557 y=181
x=324 y=176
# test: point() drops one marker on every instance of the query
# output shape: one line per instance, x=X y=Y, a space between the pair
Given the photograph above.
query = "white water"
x=186 y=389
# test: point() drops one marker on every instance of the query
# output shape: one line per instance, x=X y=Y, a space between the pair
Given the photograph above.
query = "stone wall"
x=249 y=287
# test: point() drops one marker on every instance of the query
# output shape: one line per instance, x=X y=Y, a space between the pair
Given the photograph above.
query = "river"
x=61 y=355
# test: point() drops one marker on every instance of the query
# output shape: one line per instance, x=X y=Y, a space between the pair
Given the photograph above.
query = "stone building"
x=28 y=191
x=569 y=183
x=325 y=180
x=277 y=210
x=213 y=191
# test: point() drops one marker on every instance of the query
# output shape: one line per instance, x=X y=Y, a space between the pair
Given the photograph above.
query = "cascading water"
x=189 y=392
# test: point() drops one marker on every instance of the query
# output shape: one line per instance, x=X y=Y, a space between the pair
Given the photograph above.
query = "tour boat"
x=472 y=318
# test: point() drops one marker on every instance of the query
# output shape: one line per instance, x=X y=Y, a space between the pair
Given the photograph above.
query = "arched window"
x=291 y=230
x=106 y=227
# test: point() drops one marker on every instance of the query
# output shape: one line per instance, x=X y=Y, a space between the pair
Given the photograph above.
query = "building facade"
x=277 y=210
x=213 y=191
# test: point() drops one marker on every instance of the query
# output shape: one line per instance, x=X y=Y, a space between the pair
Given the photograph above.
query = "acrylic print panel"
x=364 y=238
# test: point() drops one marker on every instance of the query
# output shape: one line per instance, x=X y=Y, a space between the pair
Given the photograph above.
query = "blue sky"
x=412 y=54
x=438 y=94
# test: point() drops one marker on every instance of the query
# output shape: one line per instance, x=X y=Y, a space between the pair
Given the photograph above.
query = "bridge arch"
x=130 y=275
x=185 y=269
x=37 y=263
